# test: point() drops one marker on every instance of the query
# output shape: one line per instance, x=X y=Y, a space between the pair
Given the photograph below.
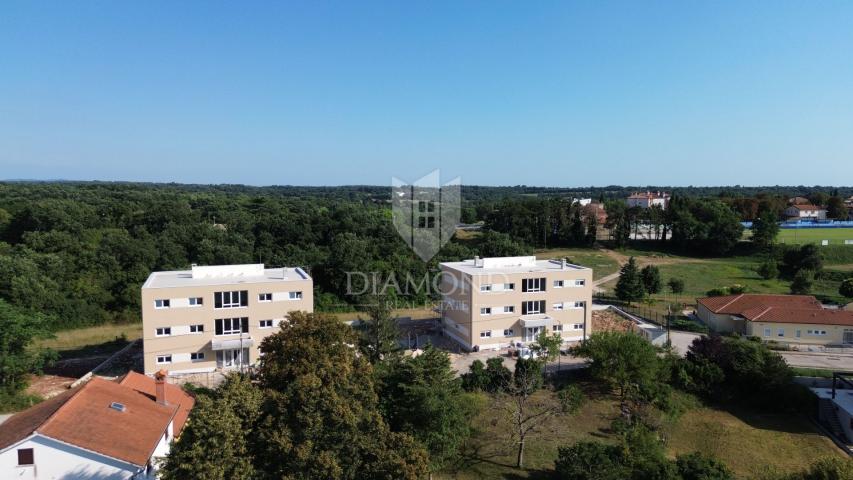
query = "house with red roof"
x=805 y=212
x=102 y=429
x=793 y=319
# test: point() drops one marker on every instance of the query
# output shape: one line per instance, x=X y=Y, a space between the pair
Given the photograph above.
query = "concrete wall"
x=58 y=461
x=181 y=315
x=473 y=323
x=721 y=323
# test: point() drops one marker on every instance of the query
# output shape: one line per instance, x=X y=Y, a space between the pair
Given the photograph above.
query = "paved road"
x=825 y=361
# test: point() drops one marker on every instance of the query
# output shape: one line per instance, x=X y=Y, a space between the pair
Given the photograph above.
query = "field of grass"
x=749 y=443
x=836 y=236
x=90 y=341
x=601 y=263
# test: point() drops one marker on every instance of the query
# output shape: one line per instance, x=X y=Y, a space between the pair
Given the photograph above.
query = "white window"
x=266 y=324
x=231 y=326
x=265 y=297
x=163 y=331
x=235 y=299
x=196 y=356
x=533 y=285
x=509 y=286
x=780 y=332
x=767 y=332
x=197 y=328
x=509 y=308
x=799 y=333
x=486 y=334
x=486 y=311
x=558 y=283
x=196 y=301
x=295 y=295
x=508 y=332
x=162 y=303
x=578 y=305
x=577 y=326
x=162 y=359
x=557 y=328
x=557 y=306
x=486 y=287
x=580 y=283
x=533 y=307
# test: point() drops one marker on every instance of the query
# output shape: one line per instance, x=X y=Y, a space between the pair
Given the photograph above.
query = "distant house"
x=597 y=210
x=582 y=201
x=805 y=212
x=795 y=319
x=648 y=199
x=103 y=429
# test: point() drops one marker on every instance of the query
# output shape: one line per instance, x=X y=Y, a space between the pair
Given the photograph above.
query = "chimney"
x=564 y=263
x=476 y=260
x=160 y=386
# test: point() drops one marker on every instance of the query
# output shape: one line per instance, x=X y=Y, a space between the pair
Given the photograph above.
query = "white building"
x=649 y=199
x=805 y=212
x=103 y=429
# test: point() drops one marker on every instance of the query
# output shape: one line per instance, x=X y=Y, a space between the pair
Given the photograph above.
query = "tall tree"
x=629 y=288
x=422 y=396
x=765 y=228
x=379 y=334
x=529 y=412
x=18 y=358
x=835 y=208
x=802 y=282
x=846 y=288
x=676 y=286
x=322 y=417
x=650 y=276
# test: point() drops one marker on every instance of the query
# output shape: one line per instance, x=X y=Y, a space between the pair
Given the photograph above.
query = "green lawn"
x=600 y=263
x=748 y=442
x=91 y=341
x=836 y=236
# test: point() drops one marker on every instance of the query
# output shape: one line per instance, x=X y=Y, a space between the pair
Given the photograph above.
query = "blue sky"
x=499 y=93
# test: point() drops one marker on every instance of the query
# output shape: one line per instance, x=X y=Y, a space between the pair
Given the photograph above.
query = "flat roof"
x=843 y=398
x=493 y=265
x=224 y=275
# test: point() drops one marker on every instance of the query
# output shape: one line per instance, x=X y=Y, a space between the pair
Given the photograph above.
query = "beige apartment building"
x=214 y=317
x=492 y=303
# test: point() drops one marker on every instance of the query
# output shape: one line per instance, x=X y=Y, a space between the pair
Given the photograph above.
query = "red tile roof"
x=83 y=417
x=175 y=395
x=807 y=207
x=777 y=309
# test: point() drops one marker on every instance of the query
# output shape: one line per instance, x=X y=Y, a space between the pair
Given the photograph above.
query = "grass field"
x=749 y=443
x=91 y=341
x=836 y=236
x=601 y=263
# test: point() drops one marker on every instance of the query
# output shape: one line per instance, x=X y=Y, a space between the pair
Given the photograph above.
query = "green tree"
x=18 y=358
x=322 y=418
x=215 y=442
x=846 y=288
x=379 y=334
x=591 y=461
x=650 y=276
x=835 y=208
x=624 y=361
x=765 y=229
x=802 y=282
x=528 y=412
x=804 y=257
x=697 y=466
x=422 y=397
x=630 y=288
x=768 y=269
x=548 y=346
x=676 y=286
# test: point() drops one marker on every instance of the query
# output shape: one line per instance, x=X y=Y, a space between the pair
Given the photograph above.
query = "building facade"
x=788 y=319
x=214 y=317
x=649 y=200
x=805 y=212
x=492 y=303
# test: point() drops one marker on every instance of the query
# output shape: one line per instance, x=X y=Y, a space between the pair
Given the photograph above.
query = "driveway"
x=826 y=361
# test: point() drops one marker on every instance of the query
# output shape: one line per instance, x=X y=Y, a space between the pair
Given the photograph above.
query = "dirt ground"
x=605 y=320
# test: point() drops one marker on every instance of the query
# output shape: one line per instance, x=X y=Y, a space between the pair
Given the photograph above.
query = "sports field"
x=836 y=236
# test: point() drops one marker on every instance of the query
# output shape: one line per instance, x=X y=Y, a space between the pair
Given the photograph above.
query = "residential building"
x=805 y=212
x=790 y=319
x=103 y=429
x=649 y=199
x=214 y=317
x=492 y=303
x=799 y=201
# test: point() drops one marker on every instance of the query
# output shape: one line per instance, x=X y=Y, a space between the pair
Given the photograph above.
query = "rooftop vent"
x=118 y=406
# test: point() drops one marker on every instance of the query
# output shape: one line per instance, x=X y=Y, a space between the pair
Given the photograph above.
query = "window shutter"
x=544 y=283
x=217 y=300
x=244 y=324
x=524 y=308
x=219 y=326
x=244 y=298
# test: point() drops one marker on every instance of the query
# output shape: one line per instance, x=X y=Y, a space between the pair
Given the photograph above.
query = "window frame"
x=32 y=457
x=510 y=307
x=199 y=356
x=559 y=283
x=219 y=329
x=262 y=322
x=485 y=334
x=242 y=300
x=534 y=285
x=196 y=301
x=199 y=328
x=526 y=310
x=264 y=297
x=162 y=303
x=508 y=332
x=298 y=295
x=166 y=332
x=485 y=311
x=167 y=359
